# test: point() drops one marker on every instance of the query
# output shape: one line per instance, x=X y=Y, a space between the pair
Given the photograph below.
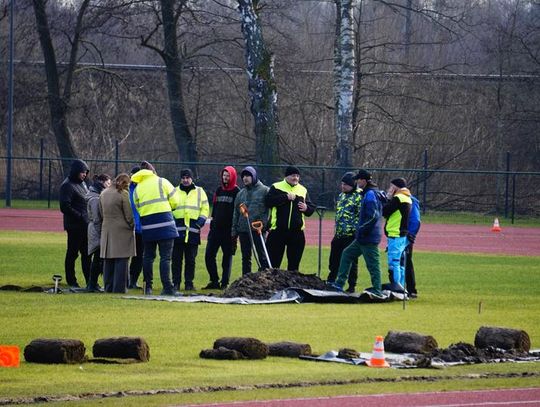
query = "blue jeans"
x=396 y=247
x=149 y=255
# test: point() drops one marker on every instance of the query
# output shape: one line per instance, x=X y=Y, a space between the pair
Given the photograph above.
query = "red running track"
x=432 y=237
x=483 y=398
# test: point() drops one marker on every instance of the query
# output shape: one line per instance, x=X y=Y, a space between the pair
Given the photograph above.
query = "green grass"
x=450 y=287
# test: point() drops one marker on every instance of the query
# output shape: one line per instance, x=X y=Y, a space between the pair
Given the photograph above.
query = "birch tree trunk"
x=344 y=73
x=262 y=89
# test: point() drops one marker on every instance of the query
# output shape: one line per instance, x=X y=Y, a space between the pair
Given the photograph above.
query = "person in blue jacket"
x=136 y=263
x=414 y=227
x=367 y=238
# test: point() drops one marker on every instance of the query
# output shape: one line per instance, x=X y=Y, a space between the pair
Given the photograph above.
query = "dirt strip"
x=213 y=389
x=432 y=237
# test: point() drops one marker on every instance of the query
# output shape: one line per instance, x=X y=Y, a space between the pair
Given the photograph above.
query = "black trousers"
x=77 y=242
x=337 y=246
x=219 y=239
x=115 y=275
x=135 y=266
x=95 y=269
x=410 y=279
x=246 y=248
x=294 y=241
x=183 y=251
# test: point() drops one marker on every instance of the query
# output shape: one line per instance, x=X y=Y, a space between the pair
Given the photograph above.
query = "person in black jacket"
x=73 y=205
x=220 y=230
x=289 y=203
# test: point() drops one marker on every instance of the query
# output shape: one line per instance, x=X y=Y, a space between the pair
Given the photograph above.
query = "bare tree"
x=59 y=100
x=261 y=85
x=344 y=71
x=171 y=11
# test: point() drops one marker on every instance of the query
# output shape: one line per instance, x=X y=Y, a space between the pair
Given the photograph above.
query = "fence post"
x=116 y=158
x=41 y=165
x=507 y=182
x=424 y=194
x=49 y=192
x=513 y=196
x=323 y=184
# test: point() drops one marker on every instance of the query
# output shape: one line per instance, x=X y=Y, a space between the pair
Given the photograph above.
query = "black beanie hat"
x=291 y=169
x=363 y=174
x=135 y=170
x=348 y=178
x=186 y=172
x=399 y=182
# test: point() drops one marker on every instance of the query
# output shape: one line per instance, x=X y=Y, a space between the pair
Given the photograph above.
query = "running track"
x=483 y=398
x=432 y=237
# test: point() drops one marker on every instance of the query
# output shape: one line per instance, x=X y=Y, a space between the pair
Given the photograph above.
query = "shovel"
x=258 y=225
x=245 y=213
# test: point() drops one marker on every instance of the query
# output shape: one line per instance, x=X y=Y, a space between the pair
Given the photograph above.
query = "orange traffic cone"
x=9 y=356
x=377 y=357
x=496 y=227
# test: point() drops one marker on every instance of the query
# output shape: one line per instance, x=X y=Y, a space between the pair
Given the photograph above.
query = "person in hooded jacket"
x=72 y=199
x=347 y=215
x=253 y=195
x=289 y=203
x=155 y=198
x=367 y=237
x=190 y=216
x=396 y=211
x=95 y=218
x=220 y=229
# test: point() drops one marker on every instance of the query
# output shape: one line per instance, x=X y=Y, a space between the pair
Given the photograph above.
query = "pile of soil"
x=263 y=284
x=465 y=352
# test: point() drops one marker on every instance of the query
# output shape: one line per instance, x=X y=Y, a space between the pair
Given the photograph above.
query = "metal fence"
x=501 y=193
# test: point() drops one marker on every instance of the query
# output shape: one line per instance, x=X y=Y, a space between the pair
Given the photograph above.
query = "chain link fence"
x=500 y=193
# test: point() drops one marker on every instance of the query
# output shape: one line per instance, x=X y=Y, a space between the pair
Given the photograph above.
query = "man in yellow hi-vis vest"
x=289 y=202
x=190 y=216
x=155 y=198
x=396 y=211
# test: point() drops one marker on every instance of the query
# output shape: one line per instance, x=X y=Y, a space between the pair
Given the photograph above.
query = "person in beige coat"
x=117 y=234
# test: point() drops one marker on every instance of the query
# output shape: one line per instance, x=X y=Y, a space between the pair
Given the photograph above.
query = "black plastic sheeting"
x=290 y=295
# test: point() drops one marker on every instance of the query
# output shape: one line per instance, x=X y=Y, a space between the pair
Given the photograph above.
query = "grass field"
x=451 y=286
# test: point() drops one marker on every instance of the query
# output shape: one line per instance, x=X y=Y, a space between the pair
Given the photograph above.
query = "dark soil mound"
x=263 y=284
x=465 y=352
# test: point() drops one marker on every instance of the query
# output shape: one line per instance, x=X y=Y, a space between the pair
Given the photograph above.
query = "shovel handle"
x=257 y=225
x=243 y=210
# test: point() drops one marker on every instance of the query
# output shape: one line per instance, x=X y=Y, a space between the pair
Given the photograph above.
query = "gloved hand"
x=234 y=244
x=200 y=222
x=411 y=238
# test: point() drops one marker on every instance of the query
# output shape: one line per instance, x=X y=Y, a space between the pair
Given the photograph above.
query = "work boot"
x=211 y=286
x=148 y=290
x=224 y=286
x=190 y=287
x=375 y=294
x=334 y=287
x=172 y=293
x=350 y=290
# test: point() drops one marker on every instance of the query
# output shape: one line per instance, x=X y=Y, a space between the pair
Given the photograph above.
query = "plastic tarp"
x=290 y=295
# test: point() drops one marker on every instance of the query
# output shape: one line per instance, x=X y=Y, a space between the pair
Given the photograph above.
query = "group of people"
x=360 y=210
x=135 y=215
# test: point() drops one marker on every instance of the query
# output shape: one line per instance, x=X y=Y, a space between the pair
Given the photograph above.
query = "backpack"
x=414 y=217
